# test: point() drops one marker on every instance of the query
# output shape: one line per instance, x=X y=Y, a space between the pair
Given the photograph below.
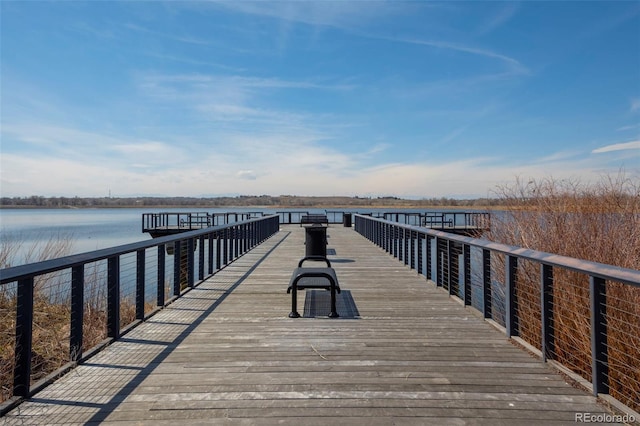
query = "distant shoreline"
x=261 y=202
x=477 y=207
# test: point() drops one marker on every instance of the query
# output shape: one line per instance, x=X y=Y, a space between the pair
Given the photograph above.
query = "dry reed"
x=598 y=222
x=52 y=311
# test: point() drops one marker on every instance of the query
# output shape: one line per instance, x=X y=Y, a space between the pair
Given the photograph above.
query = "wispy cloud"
x=635 y=105
x=630 y=127
x=340 y=14
x=618 y=147
x=169 y=36
x=88 y=147
x=281 y=164
x=504 y=15
x=513 y=64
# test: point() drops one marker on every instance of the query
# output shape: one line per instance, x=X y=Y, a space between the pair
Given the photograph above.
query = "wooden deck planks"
x=227 y=353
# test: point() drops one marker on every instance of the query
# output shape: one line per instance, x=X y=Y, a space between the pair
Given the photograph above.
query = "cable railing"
x=188 y=221
x=167 y=222
x=63 y=310
x=581 y=316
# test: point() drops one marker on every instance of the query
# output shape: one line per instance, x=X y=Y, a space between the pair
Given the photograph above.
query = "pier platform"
x=402 y=352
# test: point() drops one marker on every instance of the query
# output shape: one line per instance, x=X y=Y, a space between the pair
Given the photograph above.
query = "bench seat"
x=313 y=277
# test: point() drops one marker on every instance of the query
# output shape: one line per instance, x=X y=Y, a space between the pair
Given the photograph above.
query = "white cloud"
x=513 y=65
x=630 y=127
x=617 y=147
x=340 y=14
x=270 y=167
x=247 y=174
x=504 y=15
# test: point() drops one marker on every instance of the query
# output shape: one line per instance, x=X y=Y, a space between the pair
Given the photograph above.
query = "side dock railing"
x=116 y=288
x=584 y=317
x=164 y=223
x=175 y=222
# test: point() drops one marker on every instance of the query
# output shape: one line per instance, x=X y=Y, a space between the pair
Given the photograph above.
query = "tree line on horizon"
x=36 y=201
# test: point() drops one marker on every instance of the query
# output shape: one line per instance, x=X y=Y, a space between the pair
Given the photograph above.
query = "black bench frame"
x=327 y=280
x=313 y=219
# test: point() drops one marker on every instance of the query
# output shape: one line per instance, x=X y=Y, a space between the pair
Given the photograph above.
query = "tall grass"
x=48 y=317
x=599 y=222
x=52 y=309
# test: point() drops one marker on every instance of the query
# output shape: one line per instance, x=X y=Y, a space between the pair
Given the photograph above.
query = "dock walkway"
x=402 y=352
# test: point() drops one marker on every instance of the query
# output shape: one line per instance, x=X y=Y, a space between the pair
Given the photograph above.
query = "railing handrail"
x=15 y=273
x=441 y=219
x=414 y=246
x=600 y=270
x=231 y=241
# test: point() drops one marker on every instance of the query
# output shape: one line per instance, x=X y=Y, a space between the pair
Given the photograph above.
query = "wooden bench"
x=313 y=219
x=310 y=277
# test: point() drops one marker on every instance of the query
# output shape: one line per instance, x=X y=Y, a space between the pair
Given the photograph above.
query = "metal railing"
x=116 y=287
x=180 y=221
x=440 y=220
x=434 y=220
x=582 y=316
x=185 y=221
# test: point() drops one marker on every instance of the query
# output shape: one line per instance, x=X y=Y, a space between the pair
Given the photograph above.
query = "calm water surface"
x=89 y=229
x=93 y=229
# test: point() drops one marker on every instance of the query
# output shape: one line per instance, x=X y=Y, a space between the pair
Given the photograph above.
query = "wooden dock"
x=402 y=353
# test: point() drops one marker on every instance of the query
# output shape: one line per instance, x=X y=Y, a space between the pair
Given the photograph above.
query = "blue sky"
x=411 y=99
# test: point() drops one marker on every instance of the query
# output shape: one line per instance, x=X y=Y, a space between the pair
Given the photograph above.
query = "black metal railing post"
x=140 y=283
x=407 y=235
x=429 y=239
x=466 y=259
x=201 y=253
x=450 y=266
x=113 y=297
x=218 y=251
x=389 y=238
x=161 y=275
x=439 y=263
x=546 y=306
x=191 y=273
x=24 y=336
x=237 y=240
x=245 y=238
x=225 y=246
x=599 y=354
x=412 y=250
x=232 y=243
x=392 y=240
x=511 y=316
x=420 y=252
x=487 y=302
x=177 y=267
x=210 y=252
x=77 y=313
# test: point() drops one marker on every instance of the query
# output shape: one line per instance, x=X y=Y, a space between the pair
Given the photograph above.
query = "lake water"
x=93 y=229
x=89 y=229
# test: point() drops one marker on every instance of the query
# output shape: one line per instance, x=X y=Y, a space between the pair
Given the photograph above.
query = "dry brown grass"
x=597 y=222
x=52 y=312
x=48 y=328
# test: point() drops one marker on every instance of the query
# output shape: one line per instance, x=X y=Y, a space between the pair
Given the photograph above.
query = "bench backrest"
x=314 y=218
